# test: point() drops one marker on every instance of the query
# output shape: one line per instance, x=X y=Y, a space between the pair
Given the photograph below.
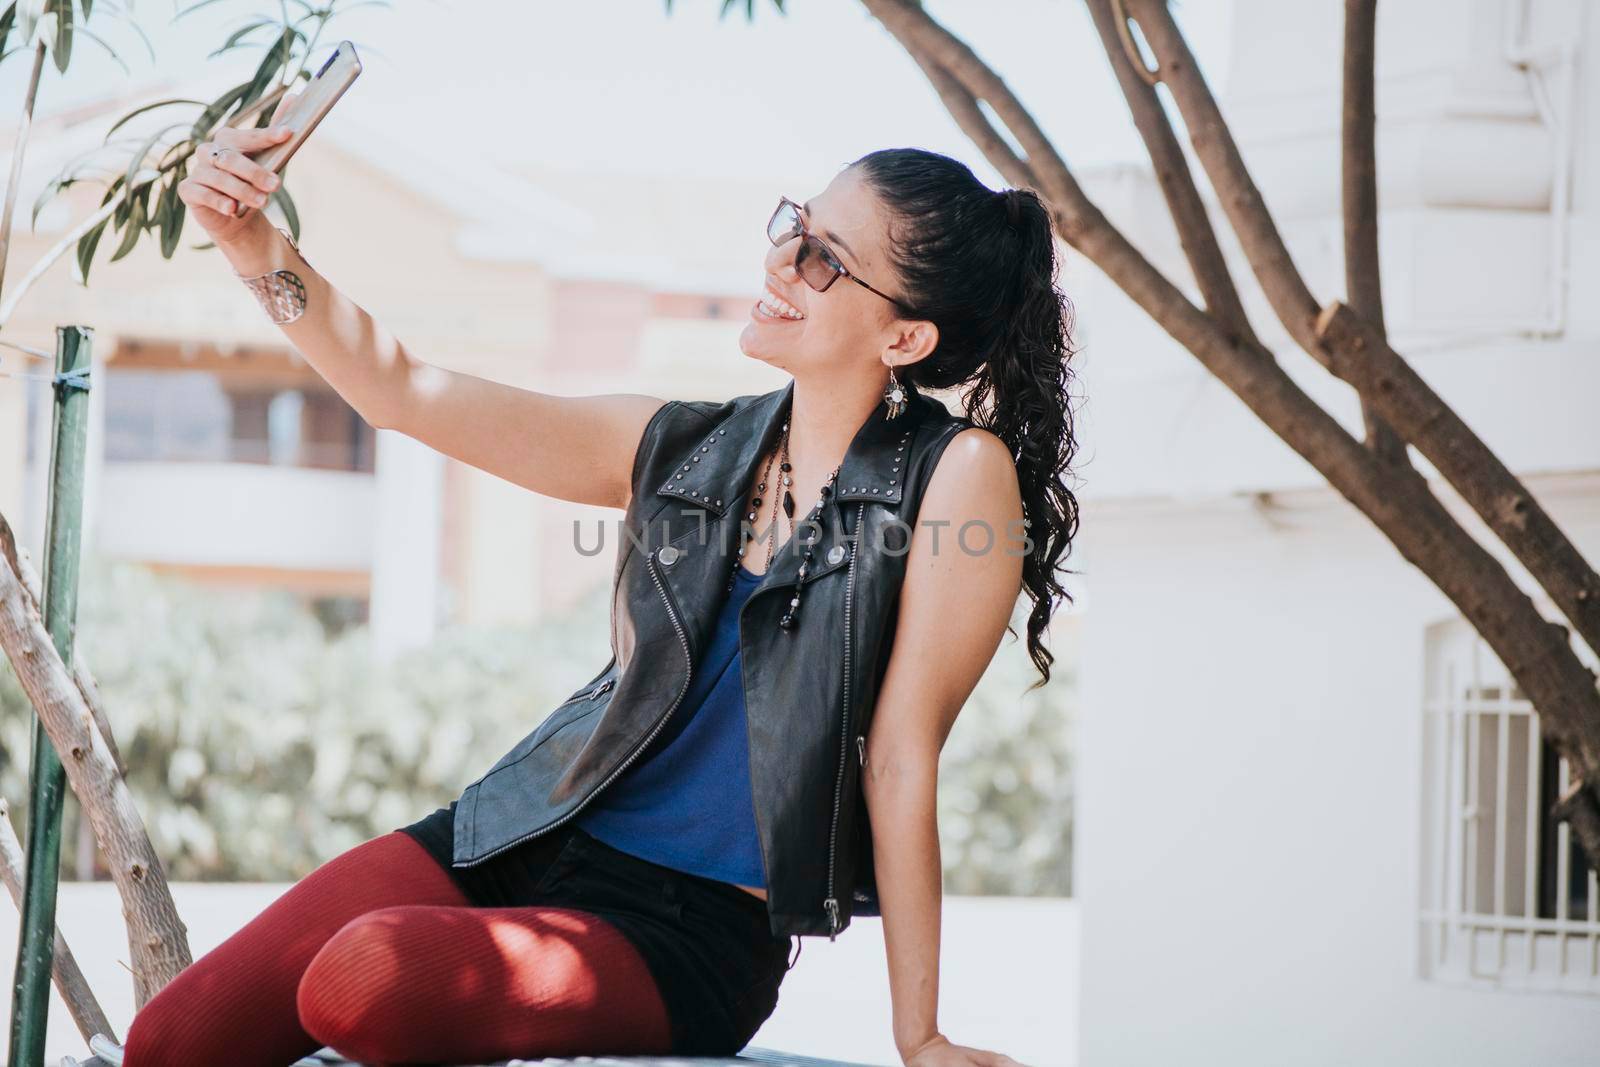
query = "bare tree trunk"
x=157 y=938
x=74 y=988
x=1391 y=493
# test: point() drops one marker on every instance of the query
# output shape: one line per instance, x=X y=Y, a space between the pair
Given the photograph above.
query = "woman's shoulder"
x=678 y=427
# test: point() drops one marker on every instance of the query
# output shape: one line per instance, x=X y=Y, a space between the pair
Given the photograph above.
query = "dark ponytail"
x=980 y=265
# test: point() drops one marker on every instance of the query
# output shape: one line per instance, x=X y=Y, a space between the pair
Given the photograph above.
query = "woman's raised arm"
x=571 y=448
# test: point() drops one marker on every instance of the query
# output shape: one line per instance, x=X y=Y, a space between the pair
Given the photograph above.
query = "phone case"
x=338 y=71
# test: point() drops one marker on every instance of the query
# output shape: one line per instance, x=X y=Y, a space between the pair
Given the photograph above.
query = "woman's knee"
x=348 y=990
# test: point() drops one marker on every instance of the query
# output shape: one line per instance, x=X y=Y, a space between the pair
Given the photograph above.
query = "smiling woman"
x=744 y=771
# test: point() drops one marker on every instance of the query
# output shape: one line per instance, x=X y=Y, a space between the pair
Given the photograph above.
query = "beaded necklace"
x=787 y=500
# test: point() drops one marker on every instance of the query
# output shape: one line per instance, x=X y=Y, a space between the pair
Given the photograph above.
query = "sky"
x=621 y=86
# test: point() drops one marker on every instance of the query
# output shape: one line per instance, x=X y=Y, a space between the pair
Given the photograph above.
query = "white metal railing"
x=1507 y=900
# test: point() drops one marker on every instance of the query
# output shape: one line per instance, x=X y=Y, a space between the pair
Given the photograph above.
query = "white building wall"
x=1249 y=798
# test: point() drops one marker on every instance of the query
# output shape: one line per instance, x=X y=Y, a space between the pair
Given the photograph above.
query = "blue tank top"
x=685 y=801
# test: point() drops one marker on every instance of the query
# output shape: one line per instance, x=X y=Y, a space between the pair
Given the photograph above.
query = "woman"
x=632 y=876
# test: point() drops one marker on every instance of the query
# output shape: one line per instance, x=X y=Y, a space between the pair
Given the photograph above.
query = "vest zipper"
x=688 y=659
x=587 y=694
x=831 y=904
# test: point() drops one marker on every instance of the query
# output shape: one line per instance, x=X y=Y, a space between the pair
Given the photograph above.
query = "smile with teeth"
x=777 y=307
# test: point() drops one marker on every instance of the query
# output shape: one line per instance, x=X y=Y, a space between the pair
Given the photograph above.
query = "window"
x=165 y=415
x=1508 y=899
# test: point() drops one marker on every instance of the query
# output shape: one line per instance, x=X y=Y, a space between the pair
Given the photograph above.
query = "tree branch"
x=87 y=686
x=1354 y=352
x=963 y=107
x=70 y=982
x=1195 y=232
x=1359 y=176
x=167 y=162
x=928 y=42
x=1394 y=497
x=17 y=153
x=55 y=252
x=157 y=938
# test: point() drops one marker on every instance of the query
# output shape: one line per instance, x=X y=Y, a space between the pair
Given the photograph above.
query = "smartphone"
x=314 y=101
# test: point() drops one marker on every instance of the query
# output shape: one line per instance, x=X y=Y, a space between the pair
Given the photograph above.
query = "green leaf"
x=138 y=159
x=171 y=214
x=8 y=21
x=136 y=222
x=119 y=216
x=86 y=6
x=237 y=38
x=157 y=217
x=217 y=109
x=291 y=215
x=170 y=246
x=112 y=52
x=86 y=247
x=51 y=188
x=150 y=107
x=122 y=13
x=192 y=8
x=272 y=63
x=63 y=47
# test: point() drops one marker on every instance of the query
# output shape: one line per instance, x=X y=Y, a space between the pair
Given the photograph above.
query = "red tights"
x=378 y=955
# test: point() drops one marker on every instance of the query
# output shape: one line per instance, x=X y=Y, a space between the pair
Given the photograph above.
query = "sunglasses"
x=815 y=261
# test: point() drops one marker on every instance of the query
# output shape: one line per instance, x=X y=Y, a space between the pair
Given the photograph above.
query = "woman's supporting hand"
x=939 y=1051
x=225 y=177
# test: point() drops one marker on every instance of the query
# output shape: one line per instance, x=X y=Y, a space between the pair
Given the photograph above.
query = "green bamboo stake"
x=30 y=1003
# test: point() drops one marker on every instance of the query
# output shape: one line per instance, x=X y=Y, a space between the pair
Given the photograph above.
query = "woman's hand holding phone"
x=225 y=177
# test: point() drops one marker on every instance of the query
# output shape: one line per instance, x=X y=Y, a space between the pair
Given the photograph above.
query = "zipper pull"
x=861 y=747
x=603 y=687
x=832 y=907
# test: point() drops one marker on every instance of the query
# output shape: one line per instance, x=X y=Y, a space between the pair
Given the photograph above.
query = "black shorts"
x=707 y=943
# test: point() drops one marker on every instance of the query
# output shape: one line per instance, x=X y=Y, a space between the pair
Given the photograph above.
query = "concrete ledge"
x=1008 y=976
x=751 y=1055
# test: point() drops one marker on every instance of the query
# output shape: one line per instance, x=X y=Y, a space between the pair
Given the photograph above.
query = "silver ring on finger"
x=216 y=152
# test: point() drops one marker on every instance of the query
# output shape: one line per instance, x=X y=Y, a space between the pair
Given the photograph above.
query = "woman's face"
x=847 y=328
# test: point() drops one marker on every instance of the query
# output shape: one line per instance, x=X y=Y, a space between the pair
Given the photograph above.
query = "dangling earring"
x=894 y=396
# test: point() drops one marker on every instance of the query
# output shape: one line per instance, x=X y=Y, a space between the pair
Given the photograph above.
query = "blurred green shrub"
x=259 y=745
x=1006 y=773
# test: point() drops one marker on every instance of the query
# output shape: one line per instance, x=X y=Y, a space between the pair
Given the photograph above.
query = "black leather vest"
x=809 y=691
